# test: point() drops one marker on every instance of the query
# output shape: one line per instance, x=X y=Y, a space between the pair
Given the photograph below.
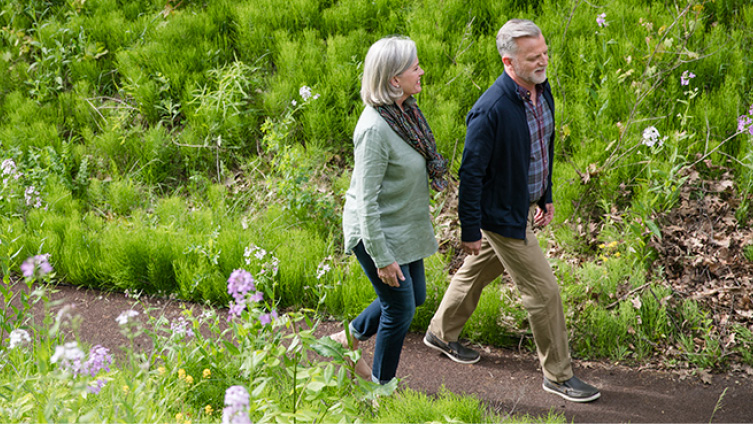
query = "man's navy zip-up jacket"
x=493 y=193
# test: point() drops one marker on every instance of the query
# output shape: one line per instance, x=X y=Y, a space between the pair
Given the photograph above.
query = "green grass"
x=409 y=406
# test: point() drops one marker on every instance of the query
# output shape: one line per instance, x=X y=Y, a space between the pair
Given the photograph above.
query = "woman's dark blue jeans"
x=390 y=315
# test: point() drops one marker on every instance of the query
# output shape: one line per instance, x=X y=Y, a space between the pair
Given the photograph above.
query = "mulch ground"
x=508 y=381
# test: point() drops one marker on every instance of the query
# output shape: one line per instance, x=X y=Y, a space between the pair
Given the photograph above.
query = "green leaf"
x=231 y=347
x=329 y=348
x=256 y=393
x=315 y=386
x=654 y=228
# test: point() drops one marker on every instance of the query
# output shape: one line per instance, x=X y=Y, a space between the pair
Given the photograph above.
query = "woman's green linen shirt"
x=387 y=203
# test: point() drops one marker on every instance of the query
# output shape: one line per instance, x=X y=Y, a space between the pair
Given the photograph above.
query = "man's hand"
x=544 y=217
x=471 y=247
x=391 y=275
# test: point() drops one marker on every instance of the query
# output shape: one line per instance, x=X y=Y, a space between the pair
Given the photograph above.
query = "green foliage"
x=745 y=337
x=409 y=406
x=154 y=142
x=490 y=322
x=193 y=361
x=748 y=251
x=295 y=167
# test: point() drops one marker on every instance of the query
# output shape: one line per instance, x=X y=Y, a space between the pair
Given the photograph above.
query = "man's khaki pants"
x=536 y=283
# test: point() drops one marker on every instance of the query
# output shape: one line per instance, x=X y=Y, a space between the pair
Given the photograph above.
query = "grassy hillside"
x=156 y=146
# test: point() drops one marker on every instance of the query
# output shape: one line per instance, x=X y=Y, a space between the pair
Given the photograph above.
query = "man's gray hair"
x=387 y=58
x=510 y=31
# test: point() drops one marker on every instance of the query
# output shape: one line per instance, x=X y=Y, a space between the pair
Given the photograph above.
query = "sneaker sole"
x=570 y=398
x=459 y=361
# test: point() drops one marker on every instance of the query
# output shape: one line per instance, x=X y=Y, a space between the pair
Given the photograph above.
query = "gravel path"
x=507 y=380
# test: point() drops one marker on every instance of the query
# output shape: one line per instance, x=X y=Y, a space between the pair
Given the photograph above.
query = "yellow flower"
x=181 y=373
x=125 y=389
x=178 y=417
x=161 y=370
x=208 y=410
x=189 y=379
x=206 y=373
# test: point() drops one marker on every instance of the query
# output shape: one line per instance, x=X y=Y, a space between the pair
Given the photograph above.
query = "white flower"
x=305 y=92
x=8 y=167
x=19 y=337
x=322 y=269
x=123 y=318
x=651 y=137
x=66 y=312
x=67 y=353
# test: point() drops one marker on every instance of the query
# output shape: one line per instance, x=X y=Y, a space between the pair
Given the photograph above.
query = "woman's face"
x=410 y=80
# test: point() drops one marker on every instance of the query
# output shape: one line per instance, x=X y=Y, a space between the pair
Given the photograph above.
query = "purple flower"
x=236 y=309
x=240 y=283
x=38 y=263
x=686 y=77
x=237 y=402
x=265 y=319
x=99 y=359
x=181 y=328
x=256 y=297
x=96 y=386
x=745 y=122
x=601 y=20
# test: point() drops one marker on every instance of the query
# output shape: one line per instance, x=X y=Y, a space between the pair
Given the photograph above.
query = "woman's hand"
x=391 y=275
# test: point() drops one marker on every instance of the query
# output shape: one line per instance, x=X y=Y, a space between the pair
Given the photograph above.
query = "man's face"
x=529 y=64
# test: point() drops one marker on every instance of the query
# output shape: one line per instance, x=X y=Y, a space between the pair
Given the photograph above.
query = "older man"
x=506 y=190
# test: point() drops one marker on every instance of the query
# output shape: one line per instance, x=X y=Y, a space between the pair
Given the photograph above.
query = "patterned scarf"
x=412 y=127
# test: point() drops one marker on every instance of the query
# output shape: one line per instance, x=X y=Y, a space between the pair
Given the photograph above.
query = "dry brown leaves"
x=701 y=249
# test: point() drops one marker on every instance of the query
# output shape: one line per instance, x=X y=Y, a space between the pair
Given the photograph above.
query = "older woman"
x=386 y=218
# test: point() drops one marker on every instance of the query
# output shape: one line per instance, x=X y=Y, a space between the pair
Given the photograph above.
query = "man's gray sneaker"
x=453 y=350
x=573 y=390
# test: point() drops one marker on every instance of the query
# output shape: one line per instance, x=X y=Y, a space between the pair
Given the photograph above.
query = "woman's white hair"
x=387 y=58
x=510 y=31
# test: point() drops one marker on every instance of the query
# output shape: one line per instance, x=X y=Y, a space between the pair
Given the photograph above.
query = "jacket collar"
x=509 y=88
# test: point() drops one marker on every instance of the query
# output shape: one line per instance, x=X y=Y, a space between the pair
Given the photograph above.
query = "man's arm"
x=476 y=156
